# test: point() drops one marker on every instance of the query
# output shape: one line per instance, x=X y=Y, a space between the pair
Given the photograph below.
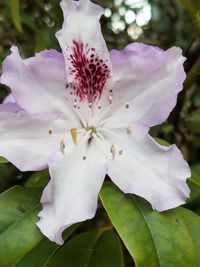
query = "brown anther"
x=127 y=106
x=62 y=146
x=120 y=152
x=128 y=129
x=50 y=131
x=99 y=107
x=90 y=105
x=84 y=157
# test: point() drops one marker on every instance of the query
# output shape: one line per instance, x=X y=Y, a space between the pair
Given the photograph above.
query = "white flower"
x=86 y=113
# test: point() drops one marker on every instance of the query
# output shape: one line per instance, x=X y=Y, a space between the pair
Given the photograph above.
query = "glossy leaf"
x=96 y=248
x=38 y=179
x=43 y=252
x=18 y=216
x=7 y=177
x=153 y=239
x=15 y=202
x=192 y=221
x=15 y=13
x=21 y=237
x=194 y=184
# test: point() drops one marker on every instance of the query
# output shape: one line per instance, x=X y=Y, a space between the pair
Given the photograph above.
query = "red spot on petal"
x=89 y=70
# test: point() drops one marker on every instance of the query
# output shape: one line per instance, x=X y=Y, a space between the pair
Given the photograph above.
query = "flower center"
x=91 y=130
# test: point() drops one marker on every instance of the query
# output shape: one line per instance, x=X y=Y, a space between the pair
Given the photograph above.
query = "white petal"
x=37 y=83
x=148 y=80
x=153 y=172
x=71 y=196
x=86 y=55
x=25 y=140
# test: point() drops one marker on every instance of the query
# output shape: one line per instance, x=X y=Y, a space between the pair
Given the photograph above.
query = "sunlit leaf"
x=153 y=239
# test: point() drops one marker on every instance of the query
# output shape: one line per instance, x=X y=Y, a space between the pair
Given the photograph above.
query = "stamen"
x=75 y=104
x=127 y=106
x=120 y=152
x=84 y=158
x=128 y=130
x=112 y=150
x=103 y=115
x=74 y=135
x=62 y=146
x=110 y=100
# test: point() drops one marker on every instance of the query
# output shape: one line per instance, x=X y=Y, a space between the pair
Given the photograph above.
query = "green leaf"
x=18 y=216
x=38 y=179
x=15 y=13
x=161 y=141
x=7 y=176
x=153 y=239
x=194 y=184
x=15 y=202
x=3 y=160
x=192 y=221
x=96 y=248
x=20 y=237
x=44 y=251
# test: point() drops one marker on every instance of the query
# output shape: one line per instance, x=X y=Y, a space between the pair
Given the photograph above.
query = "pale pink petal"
x=148 y=79
x=10 y=107
x=71 y=196
x=51 y=53
x=86 y=55
x=25 y=140
x=38 y=84
x=144 y=168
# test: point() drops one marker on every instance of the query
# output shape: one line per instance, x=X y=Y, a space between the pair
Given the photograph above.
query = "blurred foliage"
x=31 y=25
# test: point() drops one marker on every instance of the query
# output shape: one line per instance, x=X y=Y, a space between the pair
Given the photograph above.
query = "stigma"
x=91 y=130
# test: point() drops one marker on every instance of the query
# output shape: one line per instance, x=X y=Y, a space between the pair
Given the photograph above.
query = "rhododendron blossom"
x=85 y=113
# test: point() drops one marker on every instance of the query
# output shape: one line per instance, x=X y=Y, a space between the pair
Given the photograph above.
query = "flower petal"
x=10 y=105
x=147 y=169
x=87 y=59
x=148 y=79
x=25 y=141
x=71 y=195
x=38 y=83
